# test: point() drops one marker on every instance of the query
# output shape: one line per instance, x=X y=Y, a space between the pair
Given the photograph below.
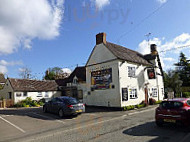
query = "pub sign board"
x=101 y=79
x=151 y=74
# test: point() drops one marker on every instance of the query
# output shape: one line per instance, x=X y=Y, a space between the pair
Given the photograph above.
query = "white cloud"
x=22 y=21
x=162 y=1
x=67 y=70
x=3 y=69
x=101 y=3
x=12 y=63
x=171 y=47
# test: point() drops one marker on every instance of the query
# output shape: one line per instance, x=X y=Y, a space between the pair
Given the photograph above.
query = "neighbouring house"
x=117 y=76
x=75 y=84
x=2 y=80
x=20 y=89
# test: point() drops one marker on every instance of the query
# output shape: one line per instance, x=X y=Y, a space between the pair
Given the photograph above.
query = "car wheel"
x=159 y=123
x=44 y=109
x=61 y=113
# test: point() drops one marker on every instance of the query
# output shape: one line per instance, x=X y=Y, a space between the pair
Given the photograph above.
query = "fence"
x=6 y=103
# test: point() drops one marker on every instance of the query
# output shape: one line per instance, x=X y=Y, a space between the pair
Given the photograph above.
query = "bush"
x=158 y=102
x=152 y=101
x=186 y=94
x=140 y=106
x=28 y=102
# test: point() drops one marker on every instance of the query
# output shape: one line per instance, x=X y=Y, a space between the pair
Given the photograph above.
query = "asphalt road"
x=31 y=125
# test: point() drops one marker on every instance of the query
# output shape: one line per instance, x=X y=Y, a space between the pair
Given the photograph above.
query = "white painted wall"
x=100 y=54
x=34 y=95
x=109 y=97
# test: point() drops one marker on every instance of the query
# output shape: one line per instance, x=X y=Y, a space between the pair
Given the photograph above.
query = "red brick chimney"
x=101 y=38
x=153 y=49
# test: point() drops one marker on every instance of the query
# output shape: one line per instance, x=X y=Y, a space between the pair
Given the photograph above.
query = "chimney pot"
x=153 y=49
x=101 y=38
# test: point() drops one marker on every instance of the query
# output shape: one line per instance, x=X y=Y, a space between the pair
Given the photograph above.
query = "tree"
x=25 y=73
x=183 y=68
x=55 y=73
x=172 y=81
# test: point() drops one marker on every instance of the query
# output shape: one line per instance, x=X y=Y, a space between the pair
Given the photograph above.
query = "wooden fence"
x=6 y=103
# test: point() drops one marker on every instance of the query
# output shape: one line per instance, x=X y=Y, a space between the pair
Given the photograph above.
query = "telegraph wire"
x=142 y=21
x=179 y=47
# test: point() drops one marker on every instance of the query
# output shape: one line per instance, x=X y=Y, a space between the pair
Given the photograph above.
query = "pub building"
x=117 y=76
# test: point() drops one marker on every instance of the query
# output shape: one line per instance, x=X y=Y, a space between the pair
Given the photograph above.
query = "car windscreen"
x=71 y=101
x=171 y=104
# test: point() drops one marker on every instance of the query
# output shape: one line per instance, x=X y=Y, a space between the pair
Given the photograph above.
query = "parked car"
x=175 y=111
x=64 y=106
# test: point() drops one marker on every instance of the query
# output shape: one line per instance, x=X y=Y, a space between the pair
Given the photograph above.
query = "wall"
x=109 y=97
x=5 y=91
x=34 y=95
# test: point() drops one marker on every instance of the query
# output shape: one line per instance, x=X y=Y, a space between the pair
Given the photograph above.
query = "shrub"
x=158 y=102
x=152 y=101
x=140 y=106
x=143 y=103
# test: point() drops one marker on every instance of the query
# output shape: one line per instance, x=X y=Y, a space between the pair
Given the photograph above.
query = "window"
x=18 y=94
x=133 y=93
x=162 y=91
x=46 y=94
x=39 y=94
x=75 y=81
x=131 y=71
x=154 y=92
x=25 y=94
x=124 y=94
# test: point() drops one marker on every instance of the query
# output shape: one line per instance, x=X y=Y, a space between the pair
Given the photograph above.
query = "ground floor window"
x=154 y=92
x=18 y=94
x=124 y=94
x=25 y=94
x=39 y=94
x=133 y=93
x=46 y=94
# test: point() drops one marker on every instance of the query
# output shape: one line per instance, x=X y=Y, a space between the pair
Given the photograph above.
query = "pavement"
x=31 y=125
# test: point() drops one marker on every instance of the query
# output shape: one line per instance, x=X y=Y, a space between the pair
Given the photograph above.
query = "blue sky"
x=44 y=34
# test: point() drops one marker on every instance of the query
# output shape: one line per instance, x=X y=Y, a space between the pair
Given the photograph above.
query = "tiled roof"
x=80 y=73
x=126 y=54
x=2 y=78
x=27 y=85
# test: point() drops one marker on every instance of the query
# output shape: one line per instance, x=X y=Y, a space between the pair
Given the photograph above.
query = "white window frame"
x=39 y=94
x=46 y=94
x=133 y=93
x=131 y=71
x=154 y=92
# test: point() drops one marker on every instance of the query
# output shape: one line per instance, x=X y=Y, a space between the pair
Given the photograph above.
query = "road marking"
x=13 y=125
x=81 y=127
x=47 y=117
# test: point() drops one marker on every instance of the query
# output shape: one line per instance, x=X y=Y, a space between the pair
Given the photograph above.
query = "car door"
x=51 y=105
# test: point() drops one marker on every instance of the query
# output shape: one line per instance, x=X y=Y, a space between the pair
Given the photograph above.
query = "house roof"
x=80 y=73
x=127 y=54
x=2 y=78
x=27 y=85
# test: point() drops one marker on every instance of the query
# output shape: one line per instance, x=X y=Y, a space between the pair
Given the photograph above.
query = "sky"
x=61 y=33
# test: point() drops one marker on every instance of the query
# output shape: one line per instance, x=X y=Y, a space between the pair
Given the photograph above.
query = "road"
x=109 y=126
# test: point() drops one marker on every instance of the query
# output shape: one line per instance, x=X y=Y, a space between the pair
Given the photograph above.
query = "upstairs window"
x=131 y=71
x=133 y=93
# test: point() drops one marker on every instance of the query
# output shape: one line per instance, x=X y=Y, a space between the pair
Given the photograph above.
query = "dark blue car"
x=64 y=106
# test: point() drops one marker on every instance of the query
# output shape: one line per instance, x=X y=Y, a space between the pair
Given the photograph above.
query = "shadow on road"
x=167 y=133
x=34 y=113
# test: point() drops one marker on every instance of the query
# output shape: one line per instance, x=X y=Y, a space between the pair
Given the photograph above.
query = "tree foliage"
x=183 y=68
x=172 y=81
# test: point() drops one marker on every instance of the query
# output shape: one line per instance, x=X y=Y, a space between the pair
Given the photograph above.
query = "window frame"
x=132 y=94
x=153 y=92
x=131 y=71
x=40 y=94
x=125 y=94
